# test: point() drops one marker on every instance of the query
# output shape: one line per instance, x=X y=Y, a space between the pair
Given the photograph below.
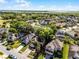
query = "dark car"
x=13 y=57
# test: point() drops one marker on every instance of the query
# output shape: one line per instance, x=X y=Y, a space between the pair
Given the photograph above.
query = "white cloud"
x=71 y=7
x=23 y=3
x=20 y=5
x=27 y=5
x=2 y=1
x=68 y=7
x=41 y=6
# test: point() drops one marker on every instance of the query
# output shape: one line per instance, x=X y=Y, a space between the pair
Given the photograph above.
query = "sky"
x=48 y=5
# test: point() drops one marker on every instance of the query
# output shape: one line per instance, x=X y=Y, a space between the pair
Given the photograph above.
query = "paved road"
x=14 y=52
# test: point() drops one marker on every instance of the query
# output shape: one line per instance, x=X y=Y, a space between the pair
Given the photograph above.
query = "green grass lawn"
x=31 y=55
x=1 y=53
x=24 y=48
x=65 y=51
x=72 y=42
x=41 y=56
x=2 y=21
x=16 y=44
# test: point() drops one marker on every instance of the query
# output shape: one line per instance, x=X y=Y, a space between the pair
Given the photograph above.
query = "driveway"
x=26 y=53
x=19 y=48
x=14 y=52
x=3 y=56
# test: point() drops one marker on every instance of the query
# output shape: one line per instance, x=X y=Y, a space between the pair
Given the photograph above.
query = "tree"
x=44 y=34
x=4 y=36
x=13 y=30
x=22 y=26
x=53 y=26
x=37 y=48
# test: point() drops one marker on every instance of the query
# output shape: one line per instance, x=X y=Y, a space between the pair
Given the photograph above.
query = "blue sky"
x=51 y=5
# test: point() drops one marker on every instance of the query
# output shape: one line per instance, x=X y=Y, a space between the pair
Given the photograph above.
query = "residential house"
x=61 y=24
x=12 y=37
x=43 y=22
x=60 y=35
x=73 y=32
x=70 y=22
x=3 y=30
x=74 y=52
x=53 y=46
x=28 y=38
x=47 y=21
x=32 y=46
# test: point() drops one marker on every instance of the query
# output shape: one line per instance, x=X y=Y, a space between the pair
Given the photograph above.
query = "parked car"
x=12 y=56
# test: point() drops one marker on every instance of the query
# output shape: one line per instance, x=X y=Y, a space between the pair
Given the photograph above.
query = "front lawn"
x=65 y=51
x=31 y=55
x=24 y=48
x=16 y=44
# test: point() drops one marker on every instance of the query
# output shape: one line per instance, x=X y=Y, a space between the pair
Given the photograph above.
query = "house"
x=12 y=37
x=70 y=22
x=31 y=21
x=61 y=24
x=47 y=21
x=74 y=52
x=60 y=35
x=32 y=46
x=28 y=38
x=73 y=32
x=43 y=22
x=52 y=46
x=3 y=30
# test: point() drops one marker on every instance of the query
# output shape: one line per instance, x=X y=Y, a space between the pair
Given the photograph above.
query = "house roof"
x=74 y=48
x=2 y=30
x=28 y=38
x=55 y=44
x=74 y=30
